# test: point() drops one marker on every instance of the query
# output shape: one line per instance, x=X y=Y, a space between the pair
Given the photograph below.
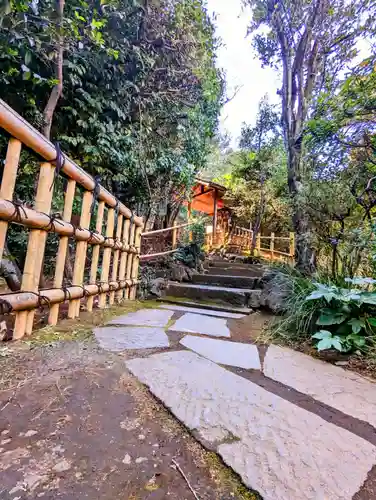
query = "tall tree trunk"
x=258 y=220
x=57 y=90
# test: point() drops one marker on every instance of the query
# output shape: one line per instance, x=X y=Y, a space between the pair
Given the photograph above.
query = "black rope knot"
x=19 y=210
x=59 y=162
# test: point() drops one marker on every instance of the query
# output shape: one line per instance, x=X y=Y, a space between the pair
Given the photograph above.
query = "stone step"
x=235 y=271
x=231 y=263
x=227 y=280
x=235 y=296
x=210 y=306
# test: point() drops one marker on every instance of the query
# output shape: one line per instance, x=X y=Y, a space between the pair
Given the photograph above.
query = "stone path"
x=292 y=427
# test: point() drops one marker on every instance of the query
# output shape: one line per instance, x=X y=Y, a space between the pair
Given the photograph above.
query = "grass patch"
x=81 y=329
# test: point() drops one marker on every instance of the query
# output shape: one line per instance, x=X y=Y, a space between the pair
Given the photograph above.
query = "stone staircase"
x=227 y=284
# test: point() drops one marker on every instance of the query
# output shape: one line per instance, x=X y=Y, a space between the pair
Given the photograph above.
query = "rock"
x=5 y=441
x=30 y=433
x=127 y=459
x=62 y=466
x=178 y=272
x=275 y=290
x=157 y=286
x=139 y=460
x=189 y=273
x=5 y=432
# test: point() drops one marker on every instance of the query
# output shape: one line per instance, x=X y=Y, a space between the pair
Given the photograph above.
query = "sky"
x=242 y=68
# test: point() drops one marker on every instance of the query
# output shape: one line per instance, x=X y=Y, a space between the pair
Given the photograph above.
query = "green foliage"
x=348 y=315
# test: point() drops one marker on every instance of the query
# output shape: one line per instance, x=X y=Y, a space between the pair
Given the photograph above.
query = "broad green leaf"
x=324 y=344
x=336 y=343
x=315 y=295
x=322 y=334
x=368 y=298
x=372 y=321
x=356 y=324
x=331 y=319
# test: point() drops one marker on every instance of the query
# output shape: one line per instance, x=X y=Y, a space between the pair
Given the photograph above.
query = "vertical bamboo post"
x=107 y=255
x=62 y=250
x=35 y=249
x=174 y=236
x=8 y=182
x=292 y=247
x=130 y=259
x=258 y=244
x=115 y=263
x=95 y=254
x=80 y=257
x=272 y=239
x=189 y=220
x=136 y=262
x=123 y=258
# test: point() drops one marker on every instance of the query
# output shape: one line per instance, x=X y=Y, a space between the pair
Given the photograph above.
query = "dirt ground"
x=75 y=424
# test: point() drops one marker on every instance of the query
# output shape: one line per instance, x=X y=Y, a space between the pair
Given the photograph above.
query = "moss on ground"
x=82 y=328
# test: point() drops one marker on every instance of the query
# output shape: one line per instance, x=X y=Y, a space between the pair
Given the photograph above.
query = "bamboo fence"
x=120 y=247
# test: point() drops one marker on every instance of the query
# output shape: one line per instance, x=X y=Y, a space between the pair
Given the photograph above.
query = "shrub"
x=348 y=317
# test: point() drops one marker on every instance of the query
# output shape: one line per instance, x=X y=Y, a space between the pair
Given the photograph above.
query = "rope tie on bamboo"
x=59 y=162
x=19 y=210
x=97 y=187
x=93 y=236
x=52 y=219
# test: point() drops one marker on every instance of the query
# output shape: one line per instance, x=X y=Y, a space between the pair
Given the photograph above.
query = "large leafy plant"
x=348 y=316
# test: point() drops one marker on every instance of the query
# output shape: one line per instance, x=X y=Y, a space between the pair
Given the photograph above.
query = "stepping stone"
x=144 y=317
x=284 y=452
x=205 y=325
x=116 y=339
x=208 y=312
x=344 y=390
x=224 y=352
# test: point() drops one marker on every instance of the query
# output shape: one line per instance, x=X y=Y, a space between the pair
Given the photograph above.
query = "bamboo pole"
x=35 y=250
x=130 y=259
x=95 y=254
x=26 y=301
x=123 y=258
x=292 y=247
x=8 y=182
x=37 y=220
x=115 y=263
x=81 y=249
x=107 y=255
x=20 y=129
x=174 y=236
x=272 y=245
x=135 y=263
x=62 y=250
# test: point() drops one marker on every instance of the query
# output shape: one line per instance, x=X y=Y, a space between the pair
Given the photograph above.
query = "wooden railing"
x=162 y=242
x=120 y=243
x=272 y=252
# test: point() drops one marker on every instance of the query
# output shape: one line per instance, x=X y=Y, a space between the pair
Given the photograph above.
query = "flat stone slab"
x=144 y=317
x=224 y=352
x=208 y=312
x=344 y=390
x=284 y=452
x=205 y=325
x=117 y=339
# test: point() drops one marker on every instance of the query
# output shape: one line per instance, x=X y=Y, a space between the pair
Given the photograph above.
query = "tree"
x=258 y=144
x=312 y=40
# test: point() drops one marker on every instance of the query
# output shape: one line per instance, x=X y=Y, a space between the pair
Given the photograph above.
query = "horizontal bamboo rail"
x=159 y=254
x=165 y=230
x=120 y=248
x=19 y=128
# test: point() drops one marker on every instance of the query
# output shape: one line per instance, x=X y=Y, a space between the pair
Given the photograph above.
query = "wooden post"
x=107 y=255
x=123 y=258
x=272 y=246
x=258 y=244
x=174 y=236
x=115 y=263
x=136 y=262
x=130 y=259
x=8 y=182
x=80 y=257
x=292 y=247
x=95 y=254
x=35 y=250
x=215 y=216
x=62 y=250
x=189 y=220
